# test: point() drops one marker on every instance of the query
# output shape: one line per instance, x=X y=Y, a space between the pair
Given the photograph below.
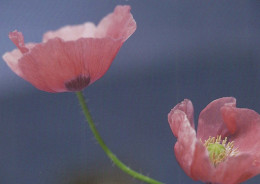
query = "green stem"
x=114 y=159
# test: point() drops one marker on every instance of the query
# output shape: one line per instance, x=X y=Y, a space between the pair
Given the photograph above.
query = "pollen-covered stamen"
x=219 y=150
x=78 y=83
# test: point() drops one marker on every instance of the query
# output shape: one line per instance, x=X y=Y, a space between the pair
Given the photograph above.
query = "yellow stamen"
x=219 y=150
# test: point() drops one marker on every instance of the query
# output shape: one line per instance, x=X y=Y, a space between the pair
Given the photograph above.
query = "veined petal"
x=72 y=57
x=50 y=65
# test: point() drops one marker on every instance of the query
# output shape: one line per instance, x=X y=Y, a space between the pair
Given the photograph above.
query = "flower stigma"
x=219 y=150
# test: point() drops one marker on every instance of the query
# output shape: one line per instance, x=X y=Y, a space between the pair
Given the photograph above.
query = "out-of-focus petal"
x=210 y=119
x=68 y=33
x=119 y=25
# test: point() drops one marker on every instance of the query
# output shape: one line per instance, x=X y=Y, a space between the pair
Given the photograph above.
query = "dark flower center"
x=78 y=83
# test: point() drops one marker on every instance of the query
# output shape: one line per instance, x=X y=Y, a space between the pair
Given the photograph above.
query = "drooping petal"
x=51 y=65
x=210 y=119
x=69 y=33
x=185 y=145
x=119 y=25
x=175 y=118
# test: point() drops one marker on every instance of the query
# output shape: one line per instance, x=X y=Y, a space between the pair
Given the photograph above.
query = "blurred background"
x=200 y=50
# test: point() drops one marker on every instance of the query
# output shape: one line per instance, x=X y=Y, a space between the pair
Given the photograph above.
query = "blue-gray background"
x=201 y=50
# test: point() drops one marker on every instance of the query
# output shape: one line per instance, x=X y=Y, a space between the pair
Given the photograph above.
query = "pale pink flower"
x=72 y=57
x=239 y=156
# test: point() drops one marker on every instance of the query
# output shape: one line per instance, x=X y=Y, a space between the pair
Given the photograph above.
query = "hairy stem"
x=108 y=152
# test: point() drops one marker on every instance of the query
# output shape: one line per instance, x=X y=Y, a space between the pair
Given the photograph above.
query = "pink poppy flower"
x=226 y=149
x=72 y=57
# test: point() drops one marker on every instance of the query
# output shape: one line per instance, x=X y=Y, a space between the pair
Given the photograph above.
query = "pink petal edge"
x=70 y=33
x=119 y=25
x=18 y=39
x=186 y=139
x=245 y=127
x=175 y=119
x=210 y=119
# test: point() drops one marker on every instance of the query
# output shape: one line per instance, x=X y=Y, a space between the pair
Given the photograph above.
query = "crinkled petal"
x=245 y=127
x=119 y=25
x=12 y=58
x=69 y=33
x=18 y=39
x=51 y=65
x=175 y=116
x=210 y=119
x=185 y=145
